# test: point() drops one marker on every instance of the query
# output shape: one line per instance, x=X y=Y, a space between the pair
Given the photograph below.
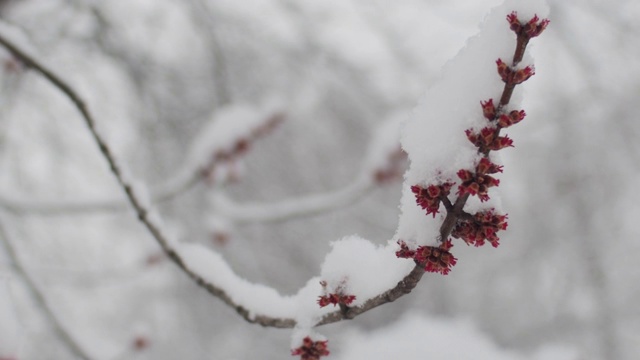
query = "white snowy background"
x=563 y=284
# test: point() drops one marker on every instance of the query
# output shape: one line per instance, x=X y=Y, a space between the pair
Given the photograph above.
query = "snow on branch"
x=221 y=144
x=451 y=142
x=384 y=162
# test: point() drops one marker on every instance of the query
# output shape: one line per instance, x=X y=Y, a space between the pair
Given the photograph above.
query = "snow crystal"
x=434 y=137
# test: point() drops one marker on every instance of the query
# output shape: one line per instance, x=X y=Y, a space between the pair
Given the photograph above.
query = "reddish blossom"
x=484 y=139
x=335 y=299
x=482 y=227
x=514 y=76
x=436 y=259
x=429 y=199
x=531 y=29
x=311 y=350
x=404 y=251
x=476 y=184
x=488 y=109
x=514 y=117
x=485 y=166
x=500 y=142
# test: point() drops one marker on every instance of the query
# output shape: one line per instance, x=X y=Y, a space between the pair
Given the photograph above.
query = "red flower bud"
x=311 y=350
x=436 y=259
x=482 y=227
x=404 y=251
x=429 y=199
x=488 y=109
x=512 y=76
x=531 y=29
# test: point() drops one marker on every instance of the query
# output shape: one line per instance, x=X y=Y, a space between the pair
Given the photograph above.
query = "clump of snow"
x=10 y=333
x=357 y=267
x=434 y=137
x=259 y=299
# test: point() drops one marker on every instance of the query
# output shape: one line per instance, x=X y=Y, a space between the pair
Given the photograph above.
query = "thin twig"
x=38 y=296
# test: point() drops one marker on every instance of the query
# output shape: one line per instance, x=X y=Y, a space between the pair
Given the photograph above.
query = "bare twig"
x=38 y=296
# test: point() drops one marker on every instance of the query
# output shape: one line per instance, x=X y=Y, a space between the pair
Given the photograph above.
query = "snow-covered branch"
x=383 y=162
x=223 y=141
x=448 y=142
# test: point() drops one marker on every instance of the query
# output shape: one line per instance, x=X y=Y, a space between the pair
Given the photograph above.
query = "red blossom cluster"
x=240 y=147
x=514 y=76
x=476 y=229
x=480 y=227
x=487 y=139
x=437 y=259
x=429 y=198
x=531 y=29
x=311 y=350
x=335 y=299
x=478 y=183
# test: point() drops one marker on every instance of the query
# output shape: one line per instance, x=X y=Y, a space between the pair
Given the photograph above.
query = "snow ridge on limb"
x=455 y=129
x=383 y=163
x=236 y=128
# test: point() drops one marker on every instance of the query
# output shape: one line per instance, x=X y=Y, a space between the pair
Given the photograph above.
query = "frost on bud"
x=336 y=298
x=483 y=226
x=488 y=109
x=436 y=259
x=429 y=199
x=514 y=117
x=531 y=29
x=512 y=76
x=311 y=350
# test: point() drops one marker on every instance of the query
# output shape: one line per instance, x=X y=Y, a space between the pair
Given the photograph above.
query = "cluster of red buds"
x=239 y=148
x=311 y=350
x=481 y=227
x=514 y=76
x=429 y=198
x=436 y=259
x=478 y=183
x=531 y=29
x=336 y=298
